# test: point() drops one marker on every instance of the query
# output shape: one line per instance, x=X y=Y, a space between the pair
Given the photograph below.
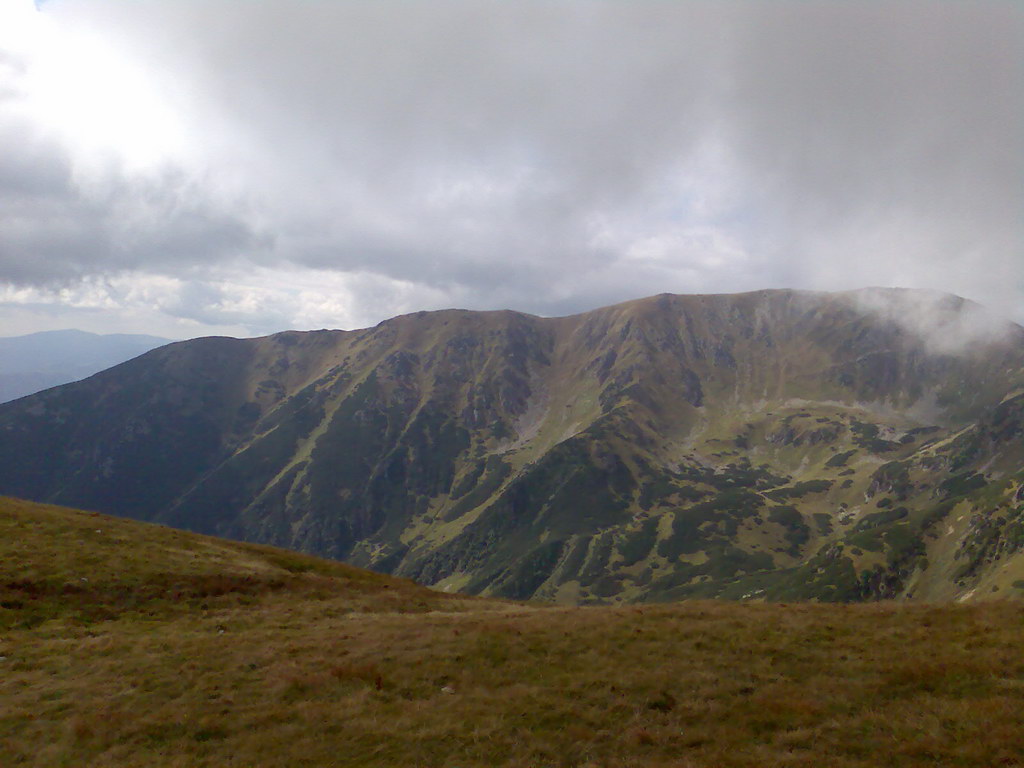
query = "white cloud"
x=277 y=166
x=947 y=325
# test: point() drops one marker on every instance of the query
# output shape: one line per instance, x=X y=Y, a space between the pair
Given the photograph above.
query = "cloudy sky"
x=185 y=168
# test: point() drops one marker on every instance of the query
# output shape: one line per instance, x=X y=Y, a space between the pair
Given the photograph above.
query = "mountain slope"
x=38 y=361
x=125 y=644
x=83 y=567
x=778 y=444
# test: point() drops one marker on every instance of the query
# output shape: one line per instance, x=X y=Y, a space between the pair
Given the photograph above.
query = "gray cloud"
x=54 y=231
x=547 y=156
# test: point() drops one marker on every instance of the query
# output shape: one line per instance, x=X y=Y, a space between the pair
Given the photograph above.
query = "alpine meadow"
x=127 y=644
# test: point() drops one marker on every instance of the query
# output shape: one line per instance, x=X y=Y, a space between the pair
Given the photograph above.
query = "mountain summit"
x=780 y=444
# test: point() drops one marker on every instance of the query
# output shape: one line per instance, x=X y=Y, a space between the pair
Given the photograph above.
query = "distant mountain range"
x=777 y=444
x=39 y=361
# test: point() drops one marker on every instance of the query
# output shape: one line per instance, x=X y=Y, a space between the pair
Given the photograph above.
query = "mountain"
x=129 y=644
x=775 y=444
x=38 y=361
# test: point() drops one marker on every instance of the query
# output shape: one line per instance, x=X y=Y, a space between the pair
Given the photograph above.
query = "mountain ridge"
x=660 y=448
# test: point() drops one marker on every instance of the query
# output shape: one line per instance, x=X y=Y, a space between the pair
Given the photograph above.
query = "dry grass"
x=297 y=675
x=84 y=567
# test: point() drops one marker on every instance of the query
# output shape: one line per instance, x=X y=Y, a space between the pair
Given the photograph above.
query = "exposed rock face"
x=774 y=444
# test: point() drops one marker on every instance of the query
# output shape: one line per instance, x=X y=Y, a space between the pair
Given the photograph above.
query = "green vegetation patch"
x=478 y=486
x=799 y=490
x=797 y=531
x=840 y=459
x=829 y=576
x=693 y=528
x=636 y=545
x=876 y=519
x=963 y=484
x=530 y=571
x=823 y=522
x=892 y=477
x=866 y=436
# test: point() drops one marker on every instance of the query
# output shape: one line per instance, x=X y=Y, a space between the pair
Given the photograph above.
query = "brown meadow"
x=148 y=646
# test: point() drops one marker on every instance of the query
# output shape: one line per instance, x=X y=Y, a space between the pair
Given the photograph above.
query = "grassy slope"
x=295 y=661
x=78 y=568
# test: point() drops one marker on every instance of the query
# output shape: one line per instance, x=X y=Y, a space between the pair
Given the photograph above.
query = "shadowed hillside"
x=775 y=444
